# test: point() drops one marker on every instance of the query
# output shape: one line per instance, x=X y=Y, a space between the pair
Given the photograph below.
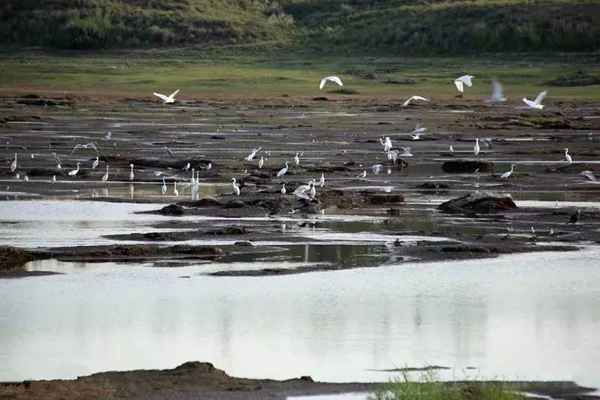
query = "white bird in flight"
x=407 y=102
x=419 y=128
x=107 y=135
x=463 y=80
x=497 y=93
x=589 y=175
x=85 y=146
x=334 y=79
x=165 y=99
x=508 y=173
x=537 y=103
x=362 y=175
x=250 y=156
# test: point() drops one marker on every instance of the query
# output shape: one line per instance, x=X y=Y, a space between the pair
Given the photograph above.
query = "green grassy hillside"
x=327 y=26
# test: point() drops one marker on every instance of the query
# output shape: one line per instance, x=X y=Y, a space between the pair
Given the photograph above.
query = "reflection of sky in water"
x=532 y=316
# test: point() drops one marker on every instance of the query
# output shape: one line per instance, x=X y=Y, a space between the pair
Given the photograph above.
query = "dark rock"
x=433 y=186
x=391 y=81
x=578 y=79
x=243 y=244
x=172 y=209
x=467 y=166
x=479 y=202
x=320 y=98
x=231 y=230
x=384 y=198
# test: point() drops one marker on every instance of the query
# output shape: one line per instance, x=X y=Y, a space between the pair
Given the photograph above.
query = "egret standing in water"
x=163 y=189
x=283 y=171
x=236 y=187
x=186 y=168
x=508 y=173
x=131 y=176
x=13 y=165
x=296 y=160
x=95 y=163
x=105 y=177
x=75 y=171
x=261 y=162
x=476 y=148
x=283 y=191
x=568 y=157
x=175 y=191
x=313 y=190
x=322 y=180
x=53 y=178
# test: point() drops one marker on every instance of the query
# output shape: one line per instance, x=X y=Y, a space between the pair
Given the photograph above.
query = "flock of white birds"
x=308 y=191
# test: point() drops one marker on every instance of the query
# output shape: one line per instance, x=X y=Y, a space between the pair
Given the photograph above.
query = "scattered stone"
x=480 y=202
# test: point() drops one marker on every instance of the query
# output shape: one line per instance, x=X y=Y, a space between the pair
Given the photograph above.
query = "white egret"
x=362 y=175
x=415 y=136
x=209 y=167
x=261 y=162
x=13 y=165
x=107 y=135
x=252 y=154
x=405 y=152
x=497 y=93
x=589 y=175
x=322 y=180
x=377 y=168
x=105 y=177
x=313 y=190
x=296 y=160
x=193 y=181
x=32 y=156
x=387 y=146
x=53 y=178
x=463 y=80
x=333 y=79
x=451 y=150
x=537 y=103
x=419 y=128
x=508 y=173
x=75 y=171
x=283 y=170
x=165 y=99
x=568 y=158
x=283 y=191
x=175 y=191
x=57 y=160
x=236 y=187
x=85 y=146
x=26 y=178
x=163 y=189
x=95 y=163
x=476 y=148
x=407 y=102
x=131 y=176
x=300 y=192
x=186 y=168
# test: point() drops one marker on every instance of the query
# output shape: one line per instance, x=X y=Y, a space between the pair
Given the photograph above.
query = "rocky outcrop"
x=479 y=203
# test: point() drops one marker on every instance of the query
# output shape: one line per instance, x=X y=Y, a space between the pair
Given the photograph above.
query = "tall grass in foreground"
x=429 y=387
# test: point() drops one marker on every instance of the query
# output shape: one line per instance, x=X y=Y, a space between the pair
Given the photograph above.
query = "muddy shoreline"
x=203 y=380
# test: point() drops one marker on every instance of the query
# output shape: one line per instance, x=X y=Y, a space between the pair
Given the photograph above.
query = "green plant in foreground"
x=429 y=387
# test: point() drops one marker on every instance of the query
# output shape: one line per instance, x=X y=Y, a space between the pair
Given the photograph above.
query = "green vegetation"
x=430 y=388
x=325 y=26
x=140 y=73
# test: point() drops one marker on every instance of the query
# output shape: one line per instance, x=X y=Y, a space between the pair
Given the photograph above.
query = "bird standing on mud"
x=476 y=148
x=283 y=171
x=236 y=187
x=568 y=158
x=13 y=165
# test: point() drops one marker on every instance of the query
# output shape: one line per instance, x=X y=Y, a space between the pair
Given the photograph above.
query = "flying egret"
x=175 y=191
x=362 y=175
x=322 y=180
x=236 y=187
x=261 y=162
x=107 y=135
x=405 y=152
x=463 y=80
x=415 y=136
x=508 y=173
x=163 y=189
x=252 y=154
x=537 y=103
x=165 y=99
x=95 y=163
x=568 y=157
x=85 y=146
x=296 y=159
x=407 y=102
x=476 y=148
x=283 y=191
x=131 y=176
x=283 y=171
x=13 y=165
x=186 y=168
x=300 y=192
x=497 y=93
x=334 y=79
x=105 y=177
x=377 y=168
x=589 y=175
x=419 y=128
x=75 y=171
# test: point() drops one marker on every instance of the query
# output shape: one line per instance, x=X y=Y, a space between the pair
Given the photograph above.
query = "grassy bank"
x=340 y=27
x=145 y=72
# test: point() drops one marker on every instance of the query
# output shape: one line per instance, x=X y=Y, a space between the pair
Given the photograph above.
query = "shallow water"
x=531 y=316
